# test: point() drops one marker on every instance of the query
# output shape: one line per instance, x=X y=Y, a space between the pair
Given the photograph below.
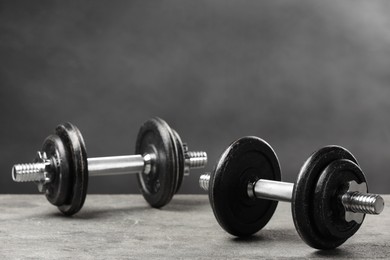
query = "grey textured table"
x=123 y=226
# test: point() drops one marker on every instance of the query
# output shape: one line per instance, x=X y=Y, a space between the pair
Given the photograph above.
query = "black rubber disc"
x=58 y=189
x=78 y=168
x=180 y=159
x=316 y=209
x=159 y=186
x=244 y=161
x=328 y=209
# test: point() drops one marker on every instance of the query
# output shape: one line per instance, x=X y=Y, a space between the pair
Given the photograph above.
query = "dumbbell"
x=329 y=199
x=61 y=169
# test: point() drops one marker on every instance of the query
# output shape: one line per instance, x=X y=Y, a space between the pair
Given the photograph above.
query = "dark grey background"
x=300 y=74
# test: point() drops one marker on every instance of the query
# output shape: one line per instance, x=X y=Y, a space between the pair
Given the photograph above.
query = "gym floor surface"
x=125 y=226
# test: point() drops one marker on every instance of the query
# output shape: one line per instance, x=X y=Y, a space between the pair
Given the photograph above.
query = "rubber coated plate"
x=303 y=202
x=78 y=168
x=159 y=186
x=244 y=161
x=180 y=159
x=329 y=213
x=58 y=189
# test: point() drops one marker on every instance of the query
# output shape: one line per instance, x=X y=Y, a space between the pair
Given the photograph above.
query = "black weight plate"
x=58 y=189
x=303 y=203
x=329 y=211
x=78 y=168
x=180 y=159
x=159 y=186
x=244 y=161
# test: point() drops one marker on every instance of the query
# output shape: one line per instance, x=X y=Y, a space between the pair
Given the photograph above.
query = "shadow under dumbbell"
x=90 y=213
x=359 y=250
x=184 y=204
x=287 y=236
x=340 y=253
x=250 y=239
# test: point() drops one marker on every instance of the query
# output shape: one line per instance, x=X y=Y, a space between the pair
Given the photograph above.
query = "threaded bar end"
x=28 y=172
x=204 y=181
x=363 y=203
x=197 y=159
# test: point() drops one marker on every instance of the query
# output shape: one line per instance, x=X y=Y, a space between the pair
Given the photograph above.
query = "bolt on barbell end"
x=28 y=172
x=204 y=181
x=363 y=203
x=196 y=159
x=33 y=172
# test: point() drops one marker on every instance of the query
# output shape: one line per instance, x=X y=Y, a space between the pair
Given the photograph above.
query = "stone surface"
x=124 y=226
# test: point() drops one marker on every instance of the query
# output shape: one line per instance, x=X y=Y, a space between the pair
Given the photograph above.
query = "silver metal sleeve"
x=115 y=165
x=273 y=190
